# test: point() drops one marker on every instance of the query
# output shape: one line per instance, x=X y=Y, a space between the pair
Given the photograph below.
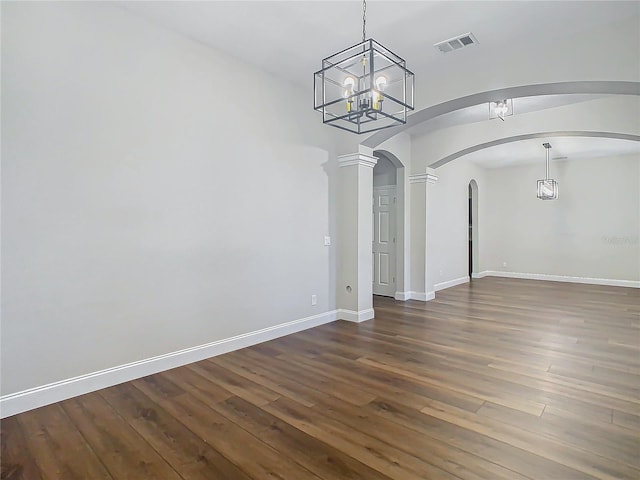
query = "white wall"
x=590 y=231
x=156 y=194
x=448 y=223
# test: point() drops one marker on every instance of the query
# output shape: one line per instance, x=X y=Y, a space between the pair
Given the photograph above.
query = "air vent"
x=456 y=43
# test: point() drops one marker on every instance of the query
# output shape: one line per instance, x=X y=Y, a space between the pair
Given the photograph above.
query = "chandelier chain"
x=364 y=20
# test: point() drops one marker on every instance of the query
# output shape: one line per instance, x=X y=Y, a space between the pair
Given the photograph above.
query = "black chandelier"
x=364 y=88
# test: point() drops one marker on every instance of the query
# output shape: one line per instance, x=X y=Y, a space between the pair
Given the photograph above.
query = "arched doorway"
x=388 y=226
x=474 y=257
x=384 y=227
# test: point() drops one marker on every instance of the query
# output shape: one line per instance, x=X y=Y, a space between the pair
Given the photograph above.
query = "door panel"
x=383 y=262
x=384 y=241
x=383 y=227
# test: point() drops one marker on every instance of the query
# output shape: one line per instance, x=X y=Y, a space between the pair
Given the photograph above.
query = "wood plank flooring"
x=497 y=379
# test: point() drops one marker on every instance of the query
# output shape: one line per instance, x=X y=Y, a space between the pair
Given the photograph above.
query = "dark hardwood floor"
x=499 y=379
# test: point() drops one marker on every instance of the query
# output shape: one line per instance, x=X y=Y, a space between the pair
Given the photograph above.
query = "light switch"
x=327 y=241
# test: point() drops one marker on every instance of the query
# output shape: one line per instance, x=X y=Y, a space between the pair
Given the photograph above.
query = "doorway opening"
x=473 y=229
x=470 y=232
x=385 y=202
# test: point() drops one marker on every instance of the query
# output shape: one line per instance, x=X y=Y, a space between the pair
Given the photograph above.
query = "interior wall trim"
x=422 y=296
x=562 y=278
x=356 y=316
x=19 y=402
x=451 y=283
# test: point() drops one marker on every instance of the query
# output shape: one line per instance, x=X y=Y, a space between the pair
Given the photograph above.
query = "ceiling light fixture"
x=501 y=109
x=547 y=188
x=364 y=88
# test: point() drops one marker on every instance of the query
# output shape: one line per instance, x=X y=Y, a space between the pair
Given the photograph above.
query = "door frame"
x=394 y=233
x=402 y=224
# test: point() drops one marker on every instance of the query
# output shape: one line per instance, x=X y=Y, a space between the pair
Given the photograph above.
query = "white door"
x=384 y=241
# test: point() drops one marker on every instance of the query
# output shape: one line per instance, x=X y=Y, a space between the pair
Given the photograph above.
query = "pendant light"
x=501 y=109
x=364 y=88
x=547 y=188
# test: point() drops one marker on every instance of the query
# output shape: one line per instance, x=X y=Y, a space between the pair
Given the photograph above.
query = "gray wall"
x=143 y=210
x=591 y=230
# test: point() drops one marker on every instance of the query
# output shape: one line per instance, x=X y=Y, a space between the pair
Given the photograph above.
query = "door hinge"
x=394 y=239
x=394 y=279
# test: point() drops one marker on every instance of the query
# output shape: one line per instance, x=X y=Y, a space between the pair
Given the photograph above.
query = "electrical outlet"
x=314 y=299
x=504 y=264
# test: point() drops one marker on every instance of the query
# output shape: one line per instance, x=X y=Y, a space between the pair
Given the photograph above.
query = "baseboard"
x=422 y=296
x=480 y=275
x=355 y=316
x=40 y=396
x=402 y=296
x=451 y=283
x=563 y=278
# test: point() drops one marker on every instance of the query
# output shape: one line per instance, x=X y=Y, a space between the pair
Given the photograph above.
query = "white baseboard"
x=480 y=275
x=402 y=296
x=451 y=283
x=422 y=296
x=563 y=278
x=54 y=392
x=355 y=316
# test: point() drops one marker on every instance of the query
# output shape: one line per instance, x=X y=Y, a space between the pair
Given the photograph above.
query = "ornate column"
x=420 y=187
x=355 y=236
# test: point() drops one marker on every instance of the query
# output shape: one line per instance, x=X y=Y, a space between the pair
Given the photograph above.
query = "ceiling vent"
x=456 y=43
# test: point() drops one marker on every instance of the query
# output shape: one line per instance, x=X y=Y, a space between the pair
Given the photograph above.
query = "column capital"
x=423 y=178
x=357 y=159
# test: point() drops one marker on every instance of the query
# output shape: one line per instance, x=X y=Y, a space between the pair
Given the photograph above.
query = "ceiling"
x=562 y=149
x=290 y=38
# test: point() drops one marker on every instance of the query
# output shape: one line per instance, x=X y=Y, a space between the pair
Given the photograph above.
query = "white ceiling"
x=290 y=38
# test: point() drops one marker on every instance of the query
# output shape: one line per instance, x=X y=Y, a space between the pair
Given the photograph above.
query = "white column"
x=421 y=187
x=355 y=236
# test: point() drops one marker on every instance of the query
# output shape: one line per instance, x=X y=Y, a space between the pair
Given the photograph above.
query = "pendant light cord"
x=547 y=147
x=364 y=20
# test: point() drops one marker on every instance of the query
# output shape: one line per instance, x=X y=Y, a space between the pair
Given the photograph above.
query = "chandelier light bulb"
x=348 y=83
x=381 y=82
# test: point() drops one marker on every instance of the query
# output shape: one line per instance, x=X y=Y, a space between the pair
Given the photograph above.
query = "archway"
x=474 y=237
x=393 y=165
x=599 y=87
